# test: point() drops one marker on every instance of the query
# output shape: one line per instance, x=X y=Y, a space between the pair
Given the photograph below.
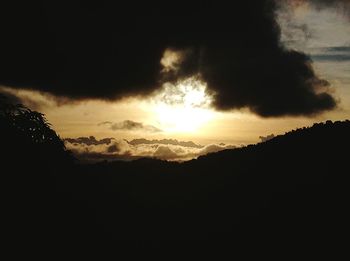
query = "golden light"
x=184 y=106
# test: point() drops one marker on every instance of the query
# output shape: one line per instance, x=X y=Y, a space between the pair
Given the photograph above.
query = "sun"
x=184 y=106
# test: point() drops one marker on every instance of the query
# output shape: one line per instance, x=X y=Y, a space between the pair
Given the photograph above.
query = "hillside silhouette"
x=293 y=187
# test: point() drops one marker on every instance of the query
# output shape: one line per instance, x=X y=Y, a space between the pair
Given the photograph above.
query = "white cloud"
x=124 y=150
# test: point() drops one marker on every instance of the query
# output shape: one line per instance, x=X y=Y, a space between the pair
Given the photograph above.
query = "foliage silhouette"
x=31 y=131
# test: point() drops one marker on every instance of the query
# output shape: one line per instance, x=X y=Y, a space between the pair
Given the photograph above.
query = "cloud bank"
x=113 y=50
x=90 y=149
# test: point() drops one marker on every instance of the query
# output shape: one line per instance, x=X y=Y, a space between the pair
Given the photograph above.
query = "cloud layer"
x=91 y=149
x=109 y=51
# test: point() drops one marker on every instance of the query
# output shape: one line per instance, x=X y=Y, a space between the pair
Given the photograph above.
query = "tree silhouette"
x=28 y=132
x=34 y=165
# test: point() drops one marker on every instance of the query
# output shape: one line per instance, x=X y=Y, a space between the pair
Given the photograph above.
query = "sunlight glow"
x=184 y=106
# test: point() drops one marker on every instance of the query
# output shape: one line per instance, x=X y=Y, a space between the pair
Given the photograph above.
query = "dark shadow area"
x=292 y=189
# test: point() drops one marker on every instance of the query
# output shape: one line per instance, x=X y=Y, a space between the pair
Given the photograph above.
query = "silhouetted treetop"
x=24 y=129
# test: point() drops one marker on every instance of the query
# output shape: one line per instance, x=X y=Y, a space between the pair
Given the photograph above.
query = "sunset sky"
x=190 y=104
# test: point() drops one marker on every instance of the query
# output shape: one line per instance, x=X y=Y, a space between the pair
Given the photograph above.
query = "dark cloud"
x=89 y=140
x=113 y=50
x=105 y=123
x=332 y=57
x=130 y=125
x=189 y=144
x=339 y=49
x=333 y=54
x=113 y=148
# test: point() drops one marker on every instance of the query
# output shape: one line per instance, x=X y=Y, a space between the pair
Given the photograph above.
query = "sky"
x=226 y=81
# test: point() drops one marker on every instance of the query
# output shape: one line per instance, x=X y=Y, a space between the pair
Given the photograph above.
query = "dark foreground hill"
x=291 y=189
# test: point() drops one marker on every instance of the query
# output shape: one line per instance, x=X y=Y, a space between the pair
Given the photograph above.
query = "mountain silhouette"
x=291 y=188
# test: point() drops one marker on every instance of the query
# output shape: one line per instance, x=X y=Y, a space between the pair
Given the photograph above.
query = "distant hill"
x=292 y=188
x=293 y=185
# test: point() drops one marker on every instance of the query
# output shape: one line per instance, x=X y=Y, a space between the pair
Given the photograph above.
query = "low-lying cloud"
x=92 y=150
